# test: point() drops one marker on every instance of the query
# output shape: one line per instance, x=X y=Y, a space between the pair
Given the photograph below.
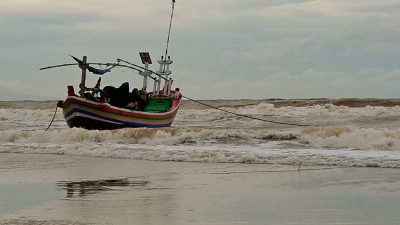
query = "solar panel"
x=145 y=56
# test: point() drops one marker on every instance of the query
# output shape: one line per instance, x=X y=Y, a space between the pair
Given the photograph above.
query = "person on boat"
x=143 y=99
x=133 y=100
x=177 y=93
x=123 y=94
x=107 y=93
x=137 y=100
x=134 y=96
x=132 y=106
x=118 y=97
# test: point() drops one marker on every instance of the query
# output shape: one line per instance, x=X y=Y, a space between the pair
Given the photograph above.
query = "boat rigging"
x=113 y=108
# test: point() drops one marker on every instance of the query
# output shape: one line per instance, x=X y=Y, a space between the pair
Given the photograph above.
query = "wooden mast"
x=82 y=85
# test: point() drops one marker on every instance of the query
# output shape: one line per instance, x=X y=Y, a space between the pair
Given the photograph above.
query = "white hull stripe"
x=78 y=114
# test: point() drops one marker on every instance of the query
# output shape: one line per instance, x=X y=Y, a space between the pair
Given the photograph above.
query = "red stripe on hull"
x=114 y=113
x=123 y=112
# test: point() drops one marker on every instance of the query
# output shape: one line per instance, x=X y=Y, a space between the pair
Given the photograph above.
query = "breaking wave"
x=316 y=137
x=344 y=146
x=166 y=136
x=341 y=135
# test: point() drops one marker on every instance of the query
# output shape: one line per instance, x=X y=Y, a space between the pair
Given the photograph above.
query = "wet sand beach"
x=61 y=189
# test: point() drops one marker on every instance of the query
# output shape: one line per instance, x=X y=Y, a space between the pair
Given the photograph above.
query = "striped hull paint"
x=79 y=112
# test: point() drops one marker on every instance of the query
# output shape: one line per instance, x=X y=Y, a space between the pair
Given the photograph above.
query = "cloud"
x=226 y=48
x=282 y=49
x=376 y=83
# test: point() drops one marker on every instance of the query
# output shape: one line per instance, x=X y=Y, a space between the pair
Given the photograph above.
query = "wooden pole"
x=82 y=85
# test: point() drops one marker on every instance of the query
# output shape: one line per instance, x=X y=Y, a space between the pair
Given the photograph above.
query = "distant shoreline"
x=186 y=104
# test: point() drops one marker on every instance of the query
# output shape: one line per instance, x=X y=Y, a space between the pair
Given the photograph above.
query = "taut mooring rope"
x=247 y=116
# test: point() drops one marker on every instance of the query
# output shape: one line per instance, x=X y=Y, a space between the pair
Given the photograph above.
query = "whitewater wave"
x=342 y=146
x=319 y=137
x=166 y=136
x=264 y=154
x=366 y=136
x=352 y=137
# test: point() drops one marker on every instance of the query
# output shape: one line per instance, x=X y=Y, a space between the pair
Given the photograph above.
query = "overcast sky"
x=221 y=48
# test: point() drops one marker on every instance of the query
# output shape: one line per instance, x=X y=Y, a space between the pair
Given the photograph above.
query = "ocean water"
x=348 y=135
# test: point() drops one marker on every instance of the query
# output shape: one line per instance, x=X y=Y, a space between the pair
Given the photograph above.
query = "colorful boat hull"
x=79 y=112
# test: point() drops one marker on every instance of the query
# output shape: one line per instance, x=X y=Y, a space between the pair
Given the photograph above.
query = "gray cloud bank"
x=222 y=49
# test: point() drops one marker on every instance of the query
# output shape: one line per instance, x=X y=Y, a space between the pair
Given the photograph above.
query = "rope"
x=282 y=171
x=55 y=112
x=247 y=116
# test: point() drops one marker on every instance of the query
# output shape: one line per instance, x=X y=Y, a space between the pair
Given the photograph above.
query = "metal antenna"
x=169 y=30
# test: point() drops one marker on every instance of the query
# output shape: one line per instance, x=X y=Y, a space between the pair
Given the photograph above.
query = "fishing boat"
x=113 y=108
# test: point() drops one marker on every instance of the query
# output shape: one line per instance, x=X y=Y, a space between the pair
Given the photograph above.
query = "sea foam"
x=338 y=135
